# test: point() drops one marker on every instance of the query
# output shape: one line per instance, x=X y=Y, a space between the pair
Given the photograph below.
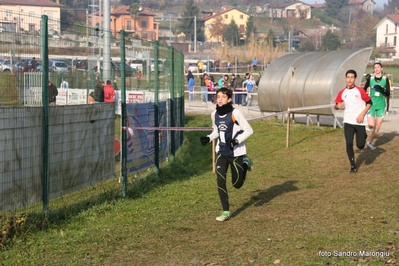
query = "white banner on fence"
x=131 y=97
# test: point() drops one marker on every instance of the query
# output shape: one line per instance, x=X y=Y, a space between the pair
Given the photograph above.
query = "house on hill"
x=365 y=5
x=145 y=26
x=224 y=16
x=298 y=10
x=387 y=35
x=25 y=15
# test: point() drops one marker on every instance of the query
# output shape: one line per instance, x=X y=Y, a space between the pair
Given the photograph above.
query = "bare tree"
x=218 y=27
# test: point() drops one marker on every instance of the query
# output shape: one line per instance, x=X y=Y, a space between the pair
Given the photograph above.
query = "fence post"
x=172 y=100
x=156 y=106
x=45 y=102
x=287 y=142
x=123 y=112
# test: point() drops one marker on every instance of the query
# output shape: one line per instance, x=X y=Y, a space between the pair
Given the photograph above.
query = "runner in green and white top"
x=379 y=91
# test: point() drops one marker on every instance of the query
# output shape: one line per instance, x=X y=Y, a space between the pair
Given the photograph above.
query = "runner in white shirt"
x=356 y=103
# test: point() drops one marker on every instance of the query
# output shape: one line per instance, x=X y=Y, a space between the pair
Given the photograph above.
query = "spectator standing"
x=217 y=65
x=250 y=87
x=52 y=93
x=229 y=66
x=98 y=94
x=211 y=88
x=254 y=63
x=244 y=86
x=226 y=81
x=190 y=85
x=200 y=66
x=220 y=81
x=109 y=93
x=204 y=86
x=238 y=88
x=33 y=65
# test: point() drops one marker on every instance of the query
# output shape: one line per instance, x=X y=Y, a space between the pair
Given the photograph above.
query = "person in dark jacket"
x=52 y=93
x=99 y=92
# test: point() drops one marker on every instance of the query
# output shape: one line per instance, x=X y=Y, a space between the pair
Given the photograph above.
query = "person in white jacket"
x=231 y=129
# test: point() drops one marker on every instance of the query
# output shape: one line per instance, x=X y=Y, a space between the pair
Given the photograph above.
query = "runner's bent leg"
x=222 y=164
x=238 y=171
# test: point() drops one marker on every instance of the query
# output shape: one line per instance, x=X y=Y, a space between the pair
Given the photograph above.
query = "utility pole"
x=87 y=28
x=195 y=34
x=107 y=40
x=170 y=29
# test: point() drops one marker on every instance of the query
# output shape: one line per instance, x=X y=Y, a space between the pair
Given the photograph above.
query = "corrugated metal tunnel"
x=309 y=79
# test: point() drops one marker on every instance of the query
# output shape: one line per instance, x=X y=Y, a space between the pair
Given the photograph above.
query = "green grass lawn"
x=299 y=206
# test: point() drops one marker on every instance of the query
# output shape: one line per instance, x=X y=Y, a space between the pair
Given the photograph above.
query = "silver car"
x=58 y=66
x=5 y=66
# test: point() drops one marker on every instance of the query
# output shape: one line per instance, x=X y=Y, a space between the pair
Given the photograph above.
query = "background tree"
x=135 y=13
x=334 y=7
x=330 y=41
x=232 y=34
x=129 y=2
x=391 y=7
x=271 y=38
x=186 y=24
x=306 y=46
x=233 y=2
x=218 y=27
x=360 y=32
x=71 y=13
x=250 y=29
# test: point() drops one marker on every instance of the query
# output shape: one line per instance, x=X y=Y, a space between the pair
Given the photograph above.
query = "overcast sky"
x=379 y=3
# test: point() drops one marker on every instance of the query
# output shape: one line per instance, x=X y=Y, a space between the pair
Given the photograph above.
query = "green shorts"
x=376 y=112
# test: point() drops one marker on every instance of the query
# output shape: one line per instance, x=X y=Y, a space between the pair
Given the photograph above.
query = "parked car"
x=193 y=67
x=5 y=66
x=58 y=66
x=160 y=66
x=129 y=72
x=137 y=64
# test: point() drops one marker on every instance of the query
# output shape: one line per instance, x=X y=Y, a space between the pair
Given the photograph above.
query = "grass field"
x=299 y=206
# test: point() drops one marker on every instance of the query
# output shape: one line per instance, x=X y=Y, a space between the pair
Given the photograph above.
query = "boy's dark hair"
x=226 y=91
x=377 y=63
x=351 y=71
x=108 y=82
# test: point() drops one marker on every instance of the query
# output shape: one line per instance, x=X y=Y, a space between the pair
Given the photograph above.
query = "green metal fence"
x=52 y=154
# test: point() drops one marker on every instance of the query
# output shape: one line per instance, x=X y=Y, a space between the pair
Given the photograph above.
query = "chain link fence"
x=52 y=153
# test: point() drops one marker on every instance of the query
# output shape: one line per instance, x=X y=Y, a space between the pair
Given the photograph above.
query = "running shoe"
x=225 y=215
x=371 y=146
x=353 y=169
x=248 y=162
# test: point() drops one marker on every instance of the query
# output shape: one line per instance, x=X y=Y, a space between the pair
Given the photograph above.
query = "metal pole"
x=195 y=34
x=170 y=29
x=45 y=102
x=172 y=101
x=287 y=140
x=87 y=28
x=124 y=117
x=107 y=41
x=156 y=107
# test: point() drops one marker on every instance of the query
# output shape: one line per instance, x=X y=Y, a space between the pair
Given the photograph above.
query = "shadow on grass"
x=369 y=156
x=267 y=195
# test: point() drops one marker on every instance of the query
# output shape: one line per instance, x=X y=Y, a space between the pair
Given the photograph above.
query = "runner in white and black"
x=356 y=103
x=231 y=129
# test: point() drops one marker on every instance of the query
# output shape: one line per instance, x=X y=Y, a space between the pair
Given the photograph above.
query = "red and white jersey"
x=355 y=100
